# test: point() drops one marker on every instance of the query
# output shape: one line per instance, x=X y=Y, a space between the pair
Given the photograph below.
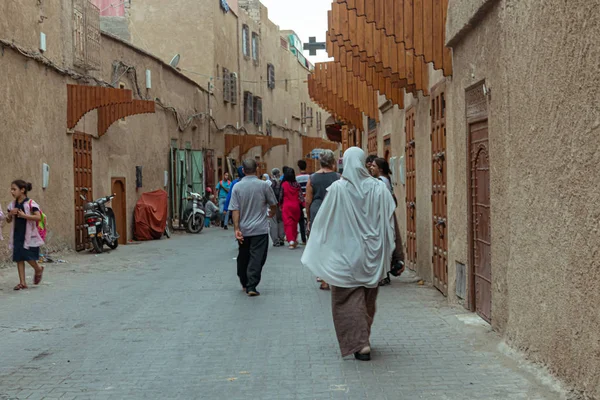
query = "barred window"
x=233 y=88
x=258 y=112
x=255 y=46
x=226 y=86
x=248 y=107
x=246 y=40
x=270 y=76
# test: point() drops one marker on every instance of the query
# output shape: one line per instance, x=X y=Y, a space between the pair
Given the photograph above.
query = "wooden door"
x=119 y=206
x=82 y=169
x=411 y=190
x=209 y=169
x=438 y=194
x=480 y=245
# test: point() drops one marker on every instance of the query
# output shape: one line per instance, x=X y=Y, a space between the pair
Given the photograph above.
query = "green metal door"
x=197 y=171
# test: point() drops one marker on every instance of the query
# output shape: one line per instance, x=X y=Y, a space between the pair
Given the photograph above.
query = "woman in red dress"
x=291 y=201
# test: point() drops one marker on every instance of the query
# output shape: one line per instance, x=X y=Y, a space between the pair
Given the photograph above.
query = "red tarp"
x=151 y=215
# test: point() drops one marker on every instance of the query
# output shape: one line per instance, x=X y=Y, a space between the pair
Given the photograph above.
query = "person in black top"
x=25 y=248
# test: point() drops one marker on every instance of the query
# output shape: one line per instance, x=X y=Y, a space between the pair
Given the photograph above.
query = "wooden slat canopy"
x=107 y=115
x=311 y=143
x=385 y=45
x=247 y=142
x=419 y=25
x=82 y=99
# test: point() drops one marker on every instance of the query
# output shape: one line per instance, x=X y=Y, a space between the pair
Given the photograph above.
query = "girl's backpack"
x=42 y=225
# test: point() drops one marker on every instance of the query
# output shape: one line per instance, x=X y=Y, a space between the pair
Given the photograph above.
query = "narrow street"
x=167 y=319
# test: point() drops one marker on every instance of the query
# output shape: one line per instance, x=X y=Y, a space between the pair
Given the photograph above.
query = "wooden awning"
x=343 y=95
x=311 y=143
x=112 y=105
x=247 y=142
x=108 y=115
x=387 y=45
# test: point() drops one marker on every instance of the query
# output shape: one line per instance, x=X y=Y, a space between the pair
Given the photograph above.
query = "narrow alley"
x=167 y=320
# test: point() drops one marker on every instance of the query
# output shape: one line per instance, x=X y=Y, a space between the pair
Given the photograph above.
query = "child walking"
x=25 y=240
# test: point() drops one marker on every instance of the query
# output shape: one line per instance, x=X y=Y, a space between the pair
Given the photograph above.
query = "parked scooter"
x=100 y=222
x=194 y=212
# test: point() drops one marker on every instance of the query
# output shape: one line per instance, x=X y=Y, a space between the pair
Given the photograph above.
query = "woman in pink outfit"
x=291 y=201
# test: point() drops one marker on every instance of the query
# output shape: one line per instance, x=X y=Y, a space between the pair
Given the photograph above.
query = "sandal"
x=37 y=278
x=20 y=287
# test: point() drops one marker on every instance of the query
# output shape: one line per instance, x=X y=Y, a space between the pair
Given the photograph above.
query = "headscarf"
x=266 y=177
x=352 y=238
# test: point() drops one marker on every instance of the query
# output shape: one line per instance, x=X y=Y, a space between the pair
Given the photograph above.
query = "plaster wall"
x=33 y=132
x=22 y=23
x=186 y=29
x=541 y=63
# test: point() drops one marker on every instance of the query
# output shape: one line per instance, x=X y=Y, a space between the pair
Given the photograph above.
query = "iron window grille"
x=258 y=112
x=248 y=107
x=246 y=40
x=226 y=86
x=255 y=47
x=233 y=88
x=270 y=76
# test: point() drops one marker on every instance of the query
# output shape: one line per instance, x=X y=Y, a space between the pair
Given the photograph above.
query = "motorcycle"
x=193 y=214
x=100 y=222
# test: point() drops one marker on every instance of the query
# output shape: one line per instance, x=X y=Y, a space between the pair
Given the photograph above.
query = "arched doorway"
x=119 y=206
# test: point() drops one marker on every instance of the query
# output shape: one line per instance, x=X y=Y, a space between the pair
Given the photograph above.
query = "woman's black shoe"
x=362 y=357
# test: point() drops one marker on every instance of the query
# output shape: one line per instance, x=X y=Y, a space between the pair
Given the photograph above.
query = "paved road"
x=167 y=320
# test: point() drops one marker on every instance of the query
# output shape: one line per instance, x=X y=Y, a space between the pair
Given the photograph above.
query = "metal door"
x=438 y=194
x=480 y=218
x=82 y=169
x=197 y=171
x=411 y=190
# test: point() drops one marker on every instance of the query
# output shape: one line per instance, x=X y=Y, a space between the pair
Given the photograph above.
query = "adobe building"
x=105 y=114
x=495 y=165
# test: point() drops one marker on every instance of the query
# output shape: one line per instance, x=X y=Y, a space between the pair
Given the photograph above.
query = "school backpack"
x=42 y=225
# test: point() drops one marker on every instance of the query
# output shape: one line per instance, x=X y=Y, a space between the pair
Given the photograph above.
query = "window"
x=233 y=87
x=302 y=113
x=319 y=126
x=270 y=76
x=255 y=46
x=258 y=112
x=248 y=107
x=226 y=86
x=284 y=43
x=246 y=40
x=310 y=116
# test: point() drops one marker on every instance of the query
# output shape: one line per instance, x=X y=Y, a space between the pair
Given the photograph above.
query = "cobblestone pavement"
x=167 y=320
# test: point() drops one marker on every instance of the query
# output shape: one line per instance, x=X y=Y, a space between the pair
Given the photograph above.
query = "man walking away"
x=223 y=188
x=250 y=199
x=302 y=180
x=276 y=228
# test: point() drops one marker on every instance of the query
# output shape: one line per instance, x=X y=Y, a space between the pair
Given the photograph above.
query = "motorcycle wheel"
x=98 y=244
x=195 y=224
x=114 y=244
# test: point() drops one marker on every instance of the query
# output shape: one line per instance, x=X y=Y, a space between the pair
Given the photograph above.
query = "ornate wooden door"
x=82 y=169
x=209 y=169
x=438 y=194
x=411 y=190
x=480 y=218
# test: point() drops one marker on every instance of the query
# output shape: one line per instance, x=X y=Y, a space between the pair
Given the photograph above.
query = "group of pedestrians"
x=25 y=238
x=353 y=237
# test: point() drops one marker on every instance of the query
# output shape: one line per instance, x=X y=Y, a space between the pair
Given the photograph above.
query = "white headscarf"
x=352 y=237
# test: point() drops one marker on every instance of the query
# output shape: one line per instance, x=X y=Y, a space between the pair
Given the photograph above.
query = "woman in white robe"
x=351 y=246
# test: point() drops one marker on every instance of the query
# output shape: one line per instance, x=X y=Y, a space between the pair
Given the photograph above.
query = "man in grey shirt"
x=250 y=199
